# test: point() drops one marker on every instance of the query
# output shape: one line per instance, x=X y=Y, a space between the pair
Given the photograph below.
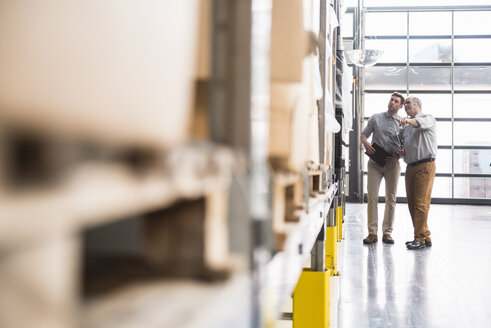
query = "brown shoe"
x=370 y=239
x=387 y=239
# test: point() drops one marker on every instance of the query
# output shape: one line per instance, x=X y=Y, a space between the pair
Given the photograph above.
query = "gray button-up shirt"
x=385 y=131
x=420 y=143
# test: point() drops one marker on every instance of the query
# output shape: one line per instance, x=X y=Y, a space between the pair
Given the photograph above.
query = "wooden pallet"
x=287 y=201
x=39 y=284
x=181 y=211
x=315 y=181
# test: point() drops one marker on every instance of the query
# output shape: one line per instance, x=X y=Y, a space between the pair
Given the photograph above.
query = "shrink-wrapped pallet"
x=288 y=41
x=294 y=138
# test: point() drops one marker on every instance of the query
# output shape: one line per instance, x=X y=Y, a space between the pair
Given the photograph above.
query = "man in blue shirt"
x=385 y=128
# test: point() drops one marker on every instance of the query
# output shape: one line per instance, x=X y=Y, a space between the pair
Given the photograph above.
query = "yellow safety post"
x=332 y=250
x=339 y=221
x=311 y=300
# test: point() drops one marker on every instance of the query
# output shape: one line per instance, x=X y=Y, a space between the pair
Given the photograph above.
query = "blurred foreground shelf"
x=167 y=222
x=171 y=302
x=284 y=269
x=98 y=193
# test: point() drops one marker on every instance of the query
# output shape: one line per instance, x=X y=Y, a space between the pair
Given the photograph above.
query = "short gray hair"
x=418 y=101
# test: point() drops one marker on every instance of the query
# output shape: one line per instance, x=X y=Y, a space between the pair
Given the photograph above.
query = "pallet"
x=191 y=238
x=42 y=285
x=315 y=181
x=287 y=201
x=166 y=303
x=180 y=229
x=39 y=285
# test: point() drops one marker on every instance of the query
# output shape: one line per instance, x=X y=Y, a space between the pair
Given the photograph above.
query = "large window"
x=442 y=57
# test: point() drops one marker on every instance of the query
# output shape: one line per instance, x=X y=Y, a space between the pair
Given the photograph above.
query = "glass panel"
x=472 y=78
x=472 y=22
x=401 y=186
x=385 y=78
x=472 y=50
x=472 y=133
x=472 y=105
x=365 y=157
x=438 y=105
x=347 y=24
x=444 y=133
x=473 y=188
x=442 y=187
x=429 y=78
x=376 y=103
x=385 y=24
x=347 y=157
x=476 y=161
x=430 y=23
x=348 y=45
x=444 y=161
x=395 y=51
x=403 y=167
x=430 y=51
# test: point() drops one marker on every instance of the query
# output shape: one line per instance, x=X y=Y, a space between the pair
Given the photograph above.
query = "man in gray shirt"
x=420 y=146
x=385 y=129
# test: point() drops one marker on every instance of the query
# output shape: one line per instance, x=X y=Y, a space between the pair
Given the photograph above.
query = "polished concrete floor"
x=447 y=285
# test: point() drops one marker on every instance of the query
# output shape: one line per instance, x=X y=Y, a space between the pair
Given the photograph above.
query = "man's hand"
x=392 y=159
x=400 y=151
x=404 y=121
x=369 y=148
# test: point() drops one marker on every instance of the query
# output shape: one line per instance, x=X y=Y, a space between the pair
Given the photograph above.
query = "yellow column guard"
x=339 y=222
x=331 y=250
x=311 y=300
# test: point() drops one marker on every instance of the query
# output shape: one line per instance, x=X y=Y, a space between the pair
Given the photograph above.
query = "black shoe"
x=416 y=245
x=427 y=243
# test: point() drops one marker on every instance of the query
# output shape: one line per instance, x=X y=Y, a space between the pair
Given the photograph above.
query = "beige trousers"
x=419 y=184
x=391 y=173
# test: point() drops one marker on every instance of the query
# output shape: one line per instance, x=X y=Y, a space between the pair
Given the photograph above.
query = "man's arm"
x=411 y=121
x=368 y=146
x=426 y=121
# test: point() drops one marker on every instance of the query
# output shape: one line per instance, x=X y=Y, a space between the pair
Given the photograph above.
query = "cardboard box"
x=288 y=41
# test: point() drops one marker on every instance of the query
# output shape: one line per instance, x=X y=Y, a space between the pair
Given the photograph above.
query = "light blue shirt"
x=385 y=131
x=420 y=143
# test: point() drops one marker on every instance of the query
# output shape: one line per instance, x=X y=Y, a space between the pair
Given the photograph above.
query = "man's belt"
x=426 y=160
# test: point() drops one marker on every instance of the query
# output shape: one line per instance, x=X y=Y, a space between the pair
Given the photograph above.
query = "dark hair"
x=400 y=96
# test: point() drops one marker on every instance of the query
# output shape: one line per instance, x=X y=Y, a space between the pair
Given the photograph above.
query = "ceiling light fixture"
x=364 y=57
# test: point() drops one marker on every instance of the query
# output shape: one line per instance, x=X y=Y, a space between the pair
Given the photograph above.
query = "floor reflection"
x=416 y=314
x=442 y=286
